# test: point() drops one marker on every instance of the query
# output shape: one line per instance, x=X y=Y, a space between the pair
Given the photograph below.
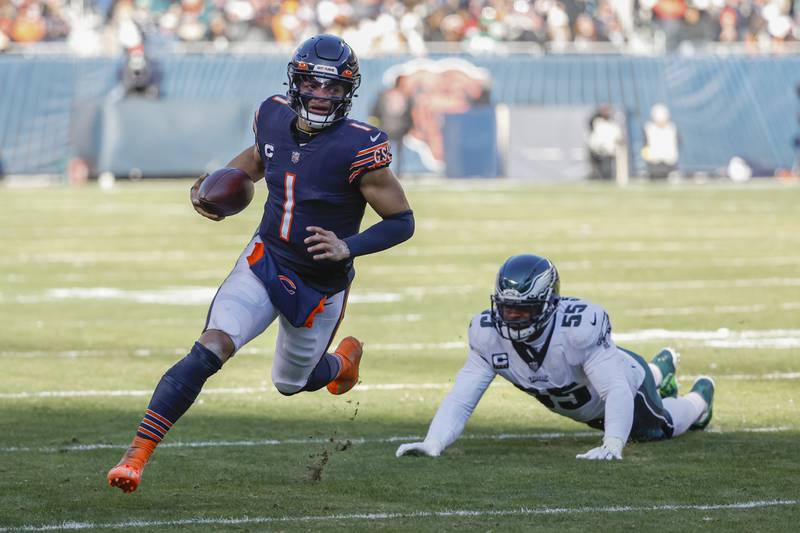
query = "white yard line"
x=720 y=338
x=417 y=317
x=166 y=296
x=309 y=440
x=769 y=376
x=723 y=338
x=352 y=440
x=689 y=284
x=236 y=391
x=416 y=269
x=389 y=517
x=197 y=295
x=634 y=244
x=711 y=310
x=587 y=264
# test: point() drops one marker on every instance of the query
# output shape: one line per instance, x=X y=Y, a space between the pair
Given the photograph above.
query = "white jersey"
x=573 y=368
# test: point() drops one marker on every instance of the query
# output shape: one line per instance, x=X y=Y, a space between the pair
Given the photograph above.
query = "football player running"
x=321 y=169
x=560 y=351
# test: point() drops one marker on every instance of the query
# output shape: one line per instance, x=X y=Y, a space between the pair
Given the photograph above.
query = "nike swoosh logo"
x=594 y=319
x=373 y=139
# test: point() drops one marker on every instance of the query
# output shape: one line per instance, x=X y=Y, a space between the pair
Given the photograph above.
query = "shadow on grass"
x=319 y=467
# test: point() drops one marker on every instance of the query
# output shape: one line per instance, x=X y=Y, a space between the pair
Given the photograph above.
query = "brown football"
x=226 y=191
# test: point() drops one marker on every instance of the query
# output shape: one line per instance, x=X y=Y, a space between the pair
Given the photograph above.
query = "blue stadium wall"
x=723 y=106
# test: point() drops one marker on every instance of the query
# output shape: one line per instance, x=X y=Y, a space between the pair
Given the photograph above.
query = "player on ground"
x=560 y=351
x=321 y=169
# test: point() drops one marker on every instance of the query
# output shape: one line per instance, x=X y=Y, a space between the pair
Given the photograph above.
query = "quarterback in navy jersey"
x=560 y=351
x=337 y=157
x=321 y=169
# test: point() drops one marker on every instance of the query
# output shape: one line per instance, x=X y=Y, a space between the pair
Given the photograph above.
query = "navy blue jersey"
x=316 y=184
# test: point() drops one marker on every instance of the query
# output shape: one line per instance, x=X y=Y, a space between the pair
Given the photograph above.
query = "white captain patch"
x=500 y=360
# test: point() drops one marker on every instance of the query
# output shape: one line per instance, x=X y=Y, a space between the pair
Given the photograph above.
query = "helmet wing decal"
x=526 y=295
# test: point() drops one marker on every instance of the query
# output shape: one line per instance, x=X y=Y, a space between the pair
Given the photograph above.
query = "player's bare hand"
x=194 y=196
x=326 y=245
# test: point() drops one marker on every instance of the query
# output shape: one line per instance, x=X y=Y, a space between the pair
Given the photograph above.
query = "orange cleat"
x=125 y=477
x=349 y=352
x=128 y=473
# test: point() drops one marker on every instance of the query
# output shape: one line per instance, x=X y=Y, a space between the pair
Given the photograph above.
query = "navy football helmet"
x=324 y=61
x=525 y=296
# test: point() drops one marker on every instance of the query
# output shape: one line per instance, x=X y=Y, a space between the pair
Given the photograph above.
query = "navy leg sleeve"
x=325 y=372
x=181 y=384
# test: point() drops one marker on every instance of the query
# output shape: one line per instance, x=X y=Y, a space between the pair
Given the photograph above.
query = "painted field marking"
x=451 y=513
x=722 y=338
x=711 y=243
x=166 y=296
x=195 y=295
x=353 y=440
x=282 y=442
x=705 y=310
x=364 y=387
x=211 y=390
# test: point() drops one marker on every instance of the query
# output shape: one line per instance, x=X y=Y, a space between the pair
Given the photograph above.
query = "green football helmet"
x=525 y=296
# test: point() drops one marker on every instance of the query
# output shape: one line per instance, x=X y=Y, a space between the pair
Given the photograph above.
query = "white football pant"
x=242 y=309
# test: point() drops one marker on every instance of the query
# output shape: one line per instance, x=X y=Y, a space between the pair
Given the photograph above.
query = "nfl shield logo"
x=295 y=157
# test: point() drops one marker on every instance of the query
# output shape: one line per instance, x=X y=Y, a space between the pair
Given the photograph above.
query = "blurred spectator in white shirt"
x=661 y=149
x=605 y=136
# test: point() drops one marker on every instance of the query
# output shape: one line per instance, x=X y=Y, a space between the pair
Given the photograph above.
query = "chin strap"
x=315 y=125
x=302 y=129
x=533 y=357
x=315 y=121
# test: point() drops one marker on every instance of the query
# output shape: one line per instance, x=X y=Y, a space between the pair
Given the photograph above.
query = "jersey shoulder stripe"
x=371 y=158
x=275 y=103
x=360 y=126
x=371 y=149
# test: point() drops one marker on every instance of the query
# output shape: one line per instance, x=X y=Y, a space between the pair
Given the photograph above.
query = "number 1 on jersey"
x=288 y=206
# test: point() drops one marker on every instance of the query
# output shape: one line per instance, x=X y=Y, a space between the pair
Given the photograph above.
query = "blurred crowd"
x=388 y=26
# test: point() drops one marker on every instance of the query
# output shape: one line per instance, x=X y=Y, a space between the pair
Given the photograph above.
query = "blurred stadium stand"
x=726 y=69
x=723 y=106
x=404 y=26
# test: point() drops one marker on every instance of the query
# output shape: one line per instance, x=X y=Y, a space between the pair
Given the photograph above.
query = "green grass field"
x=102 y=291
